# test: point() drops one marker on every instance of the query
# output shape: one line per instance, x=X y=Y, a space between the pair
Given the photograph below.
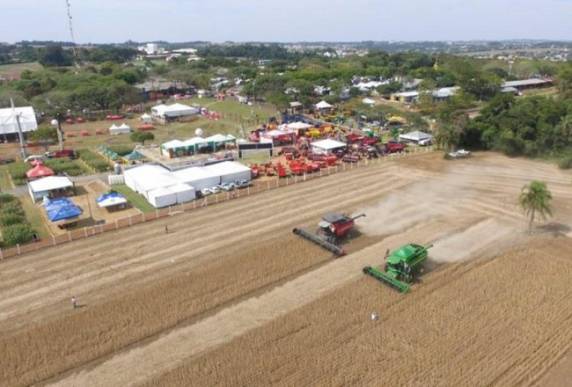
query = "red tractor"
x=332 y=229
x=394 y=147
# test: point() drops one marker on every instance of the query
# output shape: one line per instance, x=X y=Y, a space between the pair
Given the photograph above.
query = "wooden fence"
x=133 y=220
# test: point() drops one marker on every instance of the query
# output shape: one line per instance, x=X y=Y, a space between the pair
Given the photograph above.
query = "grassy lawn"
x=136 y=200
x=34 y=216
x=14 y=70
x=5 y=183
x=237 y=119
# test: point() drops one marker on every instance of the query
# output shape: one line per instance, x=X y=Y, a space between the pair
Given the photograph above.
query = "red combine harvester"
x=332 y=230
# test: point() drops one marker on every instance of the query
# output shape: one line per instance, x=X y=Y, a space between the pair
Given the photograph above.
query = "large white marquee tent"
x=163 y=188
x=9 y=124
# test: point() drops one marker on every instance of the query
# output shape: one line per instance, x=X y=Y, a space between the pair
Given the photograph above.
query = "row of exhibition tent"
x=178 y=148
x=162 y=187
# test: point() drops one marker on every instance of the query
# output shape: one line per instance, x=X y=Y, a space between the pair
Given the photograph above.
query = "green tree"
x=54 y=55
x=535 y=200
x=45 y=135
x=142 y=137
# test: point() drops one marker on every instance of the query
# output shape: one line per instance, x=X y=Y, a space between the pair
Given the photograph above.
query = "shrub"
x=11 y=219
x=565 y=162
x=65 y=166
x=121 y=150
x=18 y=172
x=17 y=234
x=93 y=160
x=13 y=208
x=6 y=198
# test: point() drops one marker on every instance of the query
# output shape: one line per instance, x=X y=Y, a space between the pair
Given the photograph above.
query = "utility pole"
x=20 y=133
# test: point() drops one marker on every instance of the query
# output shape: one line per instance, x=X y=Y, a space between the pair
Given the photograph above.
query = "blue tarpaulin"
x=61 y=209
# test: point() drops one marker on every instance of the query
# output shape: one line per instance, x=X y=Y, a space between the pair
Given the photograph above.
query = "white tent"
x=174 y=111
x=173 y=144
x=26 y=116
x=146 y=118
x=323 y=105
x=195 y=141
x=147 y=177
x=416 y=136
x=185 y=193
x=298 y=126
x=368 y=101
x=162 y=197
x=217 y=138
x=42 y=187
x=197 y=177
x=327 y=145
x=111 y=201
x=229 y=171
x=123 y=129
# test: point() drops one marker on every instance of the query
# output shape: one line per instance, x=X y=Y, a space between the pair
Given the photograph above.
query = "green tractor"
x=401 y=266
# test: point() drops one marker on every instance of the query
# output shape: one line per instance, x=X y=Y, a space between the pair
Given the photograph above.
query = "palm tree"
x=535 y=199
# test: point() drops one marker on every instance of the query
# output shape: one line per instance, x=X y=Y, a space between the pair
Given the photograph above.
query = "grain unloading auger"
x=401 y=266
x=332 y=229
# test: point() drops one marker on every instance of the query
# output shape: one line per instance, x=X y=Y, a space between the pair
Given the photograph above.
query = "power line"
x=70 y=24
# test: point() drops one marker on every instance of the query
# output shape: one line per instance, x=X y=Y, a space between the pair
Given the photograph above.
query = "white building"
x=41 y=188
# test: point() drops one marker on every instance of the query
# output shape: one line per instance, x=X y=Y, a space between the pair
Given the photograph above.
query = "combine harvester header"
x=333 y=228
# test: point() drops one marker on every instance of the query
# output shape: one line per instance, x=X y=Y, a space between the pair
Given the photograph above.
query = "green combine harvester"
x=401 y=266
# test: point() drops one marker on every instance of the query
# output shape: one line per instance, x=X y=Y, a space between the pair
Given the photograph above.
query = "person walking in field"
x=74 y=302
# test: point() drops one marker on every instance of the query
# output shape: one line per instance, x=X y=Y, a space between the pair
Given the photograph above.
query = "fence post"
x=143 y=217
x=194 y=204
x=69 y=236
x=116 y=224
x=53 y=240
x=216 y=198
x=1 y=254
x=248 y=191
x=18 y=249
x=85 y=231
x=267 y=185
x=227 y=195
x=156 y=213
x=129 y=220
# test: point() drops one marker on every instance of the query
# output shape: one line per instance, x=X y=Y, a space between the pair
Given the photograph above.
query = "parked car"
x=31 y=158
x=215 y=189
x=243 y=183
x=227 y=186
x=460 y=154
x=205 y=192
x=425 y=142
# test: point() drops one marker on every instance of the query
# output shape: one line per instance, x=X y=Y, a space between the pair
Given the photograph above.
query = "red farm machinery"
x=332 y=230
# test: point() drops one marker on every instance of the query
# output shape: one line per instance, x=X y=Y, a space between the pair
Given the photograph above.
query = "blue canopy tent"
x=61 y=209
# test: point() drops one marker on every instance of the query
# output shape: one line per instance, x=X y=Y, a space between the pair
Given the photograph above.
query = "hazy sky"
x=286 y=20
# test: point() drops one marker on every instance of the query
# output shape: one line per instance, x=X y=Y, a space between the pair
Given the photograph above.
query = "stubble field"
x=232 y=297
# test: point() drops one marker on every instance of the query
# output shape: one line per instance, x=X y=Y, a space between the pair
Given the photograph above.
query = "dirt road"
x=154 y=301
